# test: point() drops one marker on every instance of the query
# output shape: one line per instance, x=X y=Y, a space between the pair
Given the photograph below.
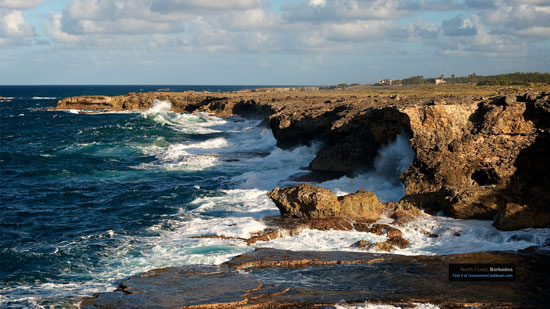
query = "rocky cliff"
x=475 y=157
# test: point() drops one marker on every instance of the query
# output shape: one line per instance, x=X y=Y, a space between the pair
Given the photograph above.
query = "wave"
x=392 y=160
x=44 y=98
x=199 y=123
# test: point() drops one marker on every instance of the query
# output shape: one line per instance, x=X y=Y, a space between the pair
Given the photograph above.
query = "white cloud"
x=19 y=4
x=305 y=26
x=424 y=30
x=13 y=25
x=53 y=29
x=180 y=5
x=344 y=10
x=517 y=17
x=458 y=26
x=320 y=3
x=535 y=31
x=119 y=26
x=362 y=30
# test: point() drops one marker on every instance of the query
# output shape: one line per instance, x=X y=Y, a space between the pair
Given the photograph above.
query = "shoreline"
x=348 y=120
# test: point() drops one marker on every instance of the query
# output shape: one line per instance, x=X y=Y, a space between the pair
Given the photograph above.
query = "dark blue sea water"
x=84 y=198
x=88 y=200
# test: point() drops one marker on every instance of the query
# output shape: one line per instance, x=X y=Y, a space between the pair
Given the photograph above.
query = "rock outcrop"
x=474 y=157
x=312 y=202
x=483 y=158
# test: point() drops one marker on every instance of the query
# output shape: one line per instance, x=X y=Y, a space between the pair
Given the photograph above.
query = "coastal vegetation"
x=529 y=79
x=517 y=78
x=441 y=89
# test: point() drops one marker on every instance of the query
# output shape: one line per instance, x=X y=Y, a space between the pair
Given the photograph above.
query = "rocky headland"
x=475 y=157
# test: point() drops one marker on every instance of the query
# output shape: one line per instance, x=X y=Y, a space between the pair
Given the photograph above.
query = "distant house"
x=439 y=81
x=390 y=82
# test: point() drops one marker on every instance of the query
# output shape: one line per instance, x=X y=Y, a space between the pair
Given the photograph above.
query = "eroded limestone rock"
x=309 y=201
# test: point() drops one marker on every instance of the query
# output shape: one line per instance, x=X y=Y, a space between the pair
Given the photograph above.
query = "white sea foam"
x=93 y=112
x=275 y=169
x=370 y=305
x=184 y=157
x=185 y=123
x=475 y=236
x=314 y=240
x=158 y=107
x=44 y=98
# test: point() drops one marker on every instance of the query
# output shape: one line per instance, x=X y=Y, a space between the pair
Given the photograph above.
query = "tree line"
x=518 y=78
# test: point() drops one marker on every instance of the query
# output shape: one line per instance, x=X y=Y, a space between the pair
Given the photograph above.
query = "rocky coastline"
x=475 y=157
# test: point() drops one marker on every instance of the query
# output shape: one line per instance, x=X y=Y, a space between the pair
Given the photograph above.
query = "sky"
x=267 y=42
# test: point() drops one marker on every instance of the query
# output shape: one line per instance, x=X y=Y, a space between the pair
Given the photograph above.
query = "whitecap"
x=198 y=123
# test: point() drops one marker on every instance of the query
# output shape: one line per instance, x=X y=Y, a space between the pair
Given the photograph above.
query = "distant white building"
x=440 y=81
x=390 y=82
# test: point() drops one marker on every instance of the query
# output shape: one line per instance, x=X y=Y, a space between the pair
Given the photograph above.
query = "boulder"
x=305 y=201
x=309 y=201
x=383 y=246
x=403 y=211
x=362 y=244
x=361 y=204
x=398 y=241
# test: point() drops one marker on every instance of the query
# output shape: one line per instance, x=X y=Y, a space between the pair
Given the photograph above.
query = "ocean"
x=88 y=200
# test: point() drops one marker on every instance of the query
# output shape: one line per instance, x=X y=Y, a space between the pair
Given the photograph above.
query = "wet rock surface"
x=280 y=278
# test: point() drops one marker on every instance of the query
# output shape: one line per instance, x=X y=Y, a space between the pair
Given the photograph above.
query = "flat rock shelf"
x=281 y=278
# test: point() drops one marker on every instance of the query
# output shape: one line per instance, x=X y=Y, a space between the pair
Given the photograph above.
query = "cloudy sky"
x=270 y=42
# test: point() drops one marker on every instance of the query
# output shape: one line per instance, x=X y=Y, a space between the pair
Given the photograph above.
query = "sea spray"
x=200 y=123
x=158 y=108
x=392 y=160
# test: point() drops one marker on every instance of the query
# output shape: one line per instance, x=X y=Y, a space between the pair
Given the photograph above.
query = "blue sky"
x=267 y=42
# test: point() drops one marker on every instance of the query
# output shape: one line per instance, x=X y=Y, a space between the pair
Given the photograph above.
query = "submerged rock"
x=362 y=244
